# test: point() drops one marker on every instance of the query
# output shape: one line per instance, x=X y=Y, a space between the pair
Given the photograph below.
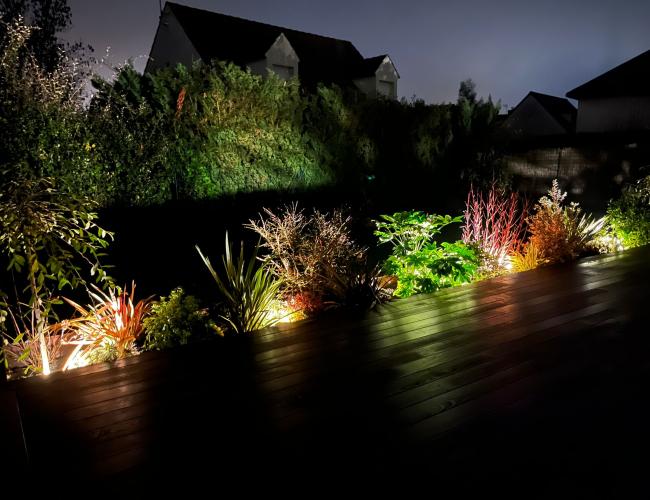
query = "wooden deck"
x=537 y=380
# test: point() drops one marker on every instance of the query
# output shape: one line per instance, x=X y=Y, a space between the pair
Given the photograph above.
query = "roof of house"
x=560 y=109
x=632 y=78
x=241 y=41
x=370 y=65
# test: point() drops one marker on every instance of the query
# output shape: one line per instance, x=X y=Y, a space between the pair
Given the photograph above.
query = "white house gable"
x=281 y=59
x=381 y=81
x=386 y=78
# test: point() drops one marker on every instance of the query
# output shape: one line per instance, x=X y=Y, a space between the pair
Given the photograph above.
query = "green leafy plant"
x=46 y=131
x=411 y=231
x=419 y=262
x=629 y=217
x=174 y=320
x=49 y=240
x=247 y=288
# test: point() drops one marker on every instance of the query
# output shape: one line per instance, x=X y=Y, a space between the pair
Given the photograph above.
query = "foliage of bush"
x=216 y=130
x=108 y=328
x=248 y=290
x=174 y=320
x=560 y=232
x=362 y=287
x=526 y=259
x=420 y=263
x=45 y=127
x=629 y=216
x=204 y=132
x=475 y=147
x=494 y=222
x=305 y=251
x=48 y=241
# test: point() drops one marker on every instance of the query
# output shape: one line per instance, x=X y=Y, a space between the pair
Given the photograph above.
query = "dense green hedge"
x=214 y=130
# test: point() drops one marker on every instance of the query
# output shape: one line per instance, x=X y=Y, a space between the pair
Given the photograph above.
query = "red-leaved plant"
x=106 y=329
x=495 y=221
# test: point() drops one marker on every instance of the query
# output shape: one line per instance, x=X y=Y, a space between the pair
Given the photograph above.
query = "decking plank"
x=428 y=376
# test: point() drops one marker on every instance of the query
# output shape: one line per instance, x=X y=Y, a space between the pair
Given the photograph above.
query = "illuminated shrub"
x=248 y=290
x=495 y=223
x=305 y=302
x=629 y=216
x=107 y=329
x=560 y=232
x=420 y=264
x=527 y=259
x=49 y=240
x=306 y=251
x=174 y=320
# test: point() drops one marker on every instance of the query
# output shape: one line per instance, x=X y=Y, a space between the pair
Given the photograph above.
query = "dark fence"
x=592 y=169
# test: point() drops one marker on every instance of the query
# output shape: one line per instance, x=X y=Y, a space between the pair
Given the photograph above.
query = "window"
x=284 y=72
x=386 y=88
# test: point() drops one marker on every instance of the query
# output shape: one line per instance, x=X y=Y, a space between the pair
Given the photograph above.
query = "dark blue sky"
x=508 y=47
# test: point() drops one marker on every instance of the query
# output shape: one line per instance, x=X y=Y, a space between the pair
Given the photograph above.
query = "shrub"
x=174 y=320
x=49 y=240
x=305 y=303
x=364 y=287
x=42 y=117
x=559 y=232
x=629 y=216
x=419 y=262
x=529 y=258
x=108 y=328
x=21 y=353
x=248 y=290
x=205 y=132
x=495 y=223
x=303 y=251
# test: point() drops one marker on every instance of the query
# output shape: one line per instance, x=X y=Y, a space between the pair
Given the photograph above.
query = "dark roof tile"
x=227 y=38
x=559 y=108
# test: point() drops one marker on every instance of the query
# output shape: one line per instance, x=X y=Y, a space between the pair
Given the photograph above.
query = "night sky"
x=508 y=47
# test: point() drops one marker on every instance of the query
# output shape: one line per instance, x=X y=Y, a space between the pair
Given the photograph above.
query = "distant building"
x=541 y=115
x=186 y=35
x=617 y=101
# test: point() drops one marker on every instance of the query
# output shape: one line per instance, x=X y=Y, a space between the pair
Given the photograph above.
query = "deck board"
x=468 y=381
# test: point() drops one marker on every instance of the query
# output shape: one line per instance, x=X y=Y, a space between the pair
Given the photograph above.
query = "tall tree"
x=50 y=17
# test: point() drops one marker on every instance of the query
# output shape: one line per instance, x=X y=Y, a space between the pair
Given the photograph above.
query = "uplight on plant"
x=107 y=329
x=248 y=290
x=420 y=263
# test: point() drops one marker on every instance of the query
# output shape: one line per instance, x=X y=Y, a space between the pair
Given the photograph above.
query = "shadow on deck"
x=537 y=381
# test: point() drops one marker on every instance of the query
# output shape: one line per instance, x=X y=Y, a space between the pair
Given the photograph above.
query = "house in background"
x=617 y=101
x=186 y=35
x=541 y=115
